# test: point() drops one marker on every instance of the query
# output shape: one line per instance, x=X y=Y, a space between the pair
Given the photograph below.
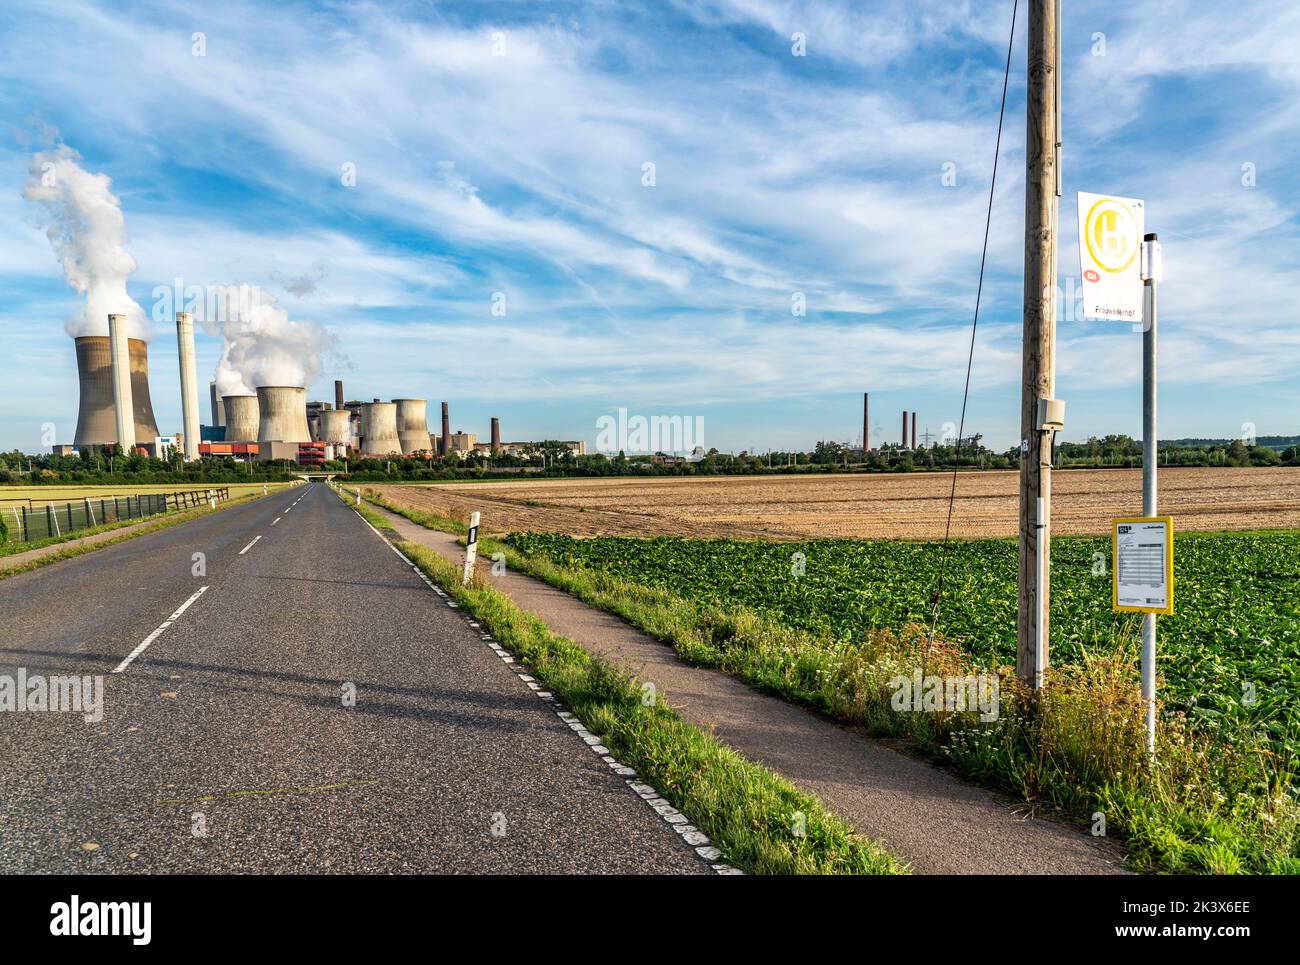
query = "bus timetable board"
x=1143 y=570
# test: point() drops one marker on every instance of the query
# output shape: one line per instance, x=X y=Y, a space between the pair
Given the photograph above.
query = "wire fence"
x=31 y=523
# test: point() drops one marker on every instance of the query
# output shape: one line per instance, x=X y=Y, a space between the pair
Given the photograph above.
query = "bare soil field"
x=911 y=506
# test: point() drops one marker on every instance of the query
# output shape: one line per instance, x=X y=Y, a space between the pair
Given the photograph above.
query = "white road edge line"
x=691 y=836
x=144 y=644
x=250 y=545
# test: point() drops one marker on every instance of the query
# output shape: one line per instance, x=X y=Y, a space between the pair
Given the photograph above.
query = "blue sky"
x=522 y=173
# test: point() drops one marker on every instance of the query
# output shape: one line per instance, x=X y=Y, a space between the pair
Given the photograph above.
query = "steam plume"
x=83 y=220
x=262 y=346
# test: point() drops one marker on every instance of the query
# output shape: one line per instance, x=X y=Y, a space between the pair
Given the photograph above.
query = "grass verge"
x=761 y=822
x=80 y=549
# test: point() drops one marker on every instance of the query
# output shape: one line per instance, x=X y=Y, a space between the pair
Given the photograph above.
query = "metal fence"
x=29 y=523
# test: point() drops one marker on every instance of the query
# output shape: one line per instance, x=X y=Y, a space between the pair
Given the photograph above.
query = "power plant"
x=379 y=429
x=242 y=418
x=275 y=423
x=97 y=413
x=335 y=427
x=412 y=425
x=282 y=414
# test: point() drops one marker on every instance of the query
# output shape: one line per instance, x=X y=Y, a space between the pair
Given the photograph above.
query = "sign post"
x=471 y=548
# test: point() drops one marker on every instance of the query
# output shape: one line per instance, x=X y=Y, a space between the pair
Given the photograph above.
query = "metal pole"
x=1150 y=465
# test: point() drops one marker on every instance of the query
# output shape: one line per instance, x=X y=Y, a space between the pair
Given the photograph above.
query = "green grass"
x=748 y=811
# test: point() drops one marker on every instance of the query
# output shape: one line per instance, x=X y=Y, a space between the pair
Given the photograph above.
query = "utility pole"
x=1039 y=363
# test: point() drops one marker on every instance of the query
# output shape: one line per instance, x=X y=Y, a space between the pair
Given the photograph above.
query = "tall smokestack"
x=218 y=412
x=121 y=363
x=496 y=436
x=445 y=441
x=904 y=429
x=913 y=430
x=189 y=384
x=866 y=422
x=338 y=394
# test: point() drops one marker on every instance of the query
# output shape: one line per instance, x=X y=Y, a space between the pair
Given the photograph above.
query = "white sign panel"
x=1144 y=564
x=1110 y=240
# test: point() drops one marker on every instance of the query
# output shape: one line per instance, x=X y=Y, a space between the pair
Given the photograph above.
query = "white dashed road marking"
x=157 y=633
x=249 y=546
x=276 y=520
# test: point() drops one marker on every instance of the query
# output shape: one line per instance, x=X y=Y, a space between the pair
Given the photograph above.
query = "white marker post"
x=471 y=548
x=358 y=495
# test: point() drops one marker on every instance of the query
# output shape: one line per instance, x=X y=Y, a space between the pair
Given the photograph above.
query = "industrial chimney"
x=445 y=439
x=412 y=425
x=189 y=384
x=496 y=436
x=96 y=417
x=242 y=418
x=121 y=369
x=218 y=415
x=282 y=414
x=379 y=429
x=338 y=393
x=866 y=423
x=904 y=443
x=913 y=430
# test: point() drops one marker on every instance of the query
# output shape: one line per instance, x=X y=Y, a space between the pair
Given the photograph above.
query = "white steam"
x=261 y=345
x=83 y=220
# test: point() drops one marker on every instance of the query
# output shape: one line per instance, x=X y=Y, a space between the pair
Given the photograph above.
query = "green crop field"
x=1236 y=625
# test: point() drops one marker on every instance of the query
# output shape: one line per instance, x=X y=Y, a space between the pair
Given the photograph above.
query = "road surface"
x=228 y=744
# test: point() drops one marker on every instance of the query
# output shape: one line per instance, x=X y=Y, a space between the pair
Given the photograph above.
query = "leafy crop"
x=1230 y=655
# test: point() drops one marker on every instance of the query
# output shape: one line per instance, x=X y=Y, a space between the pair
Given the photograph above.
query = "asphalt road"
x=227 y=743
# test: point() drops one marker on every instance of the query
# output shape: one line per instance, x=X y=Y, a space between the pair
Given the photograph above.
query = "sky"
x=549 y=211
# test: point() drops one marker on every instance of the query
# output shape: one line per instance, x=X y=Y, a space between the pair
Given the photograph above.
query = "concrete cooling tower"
x=412 y=425
x=242 y=418
x=379 y=429
x=283 y=413
x=96 y=418
x=335 y=427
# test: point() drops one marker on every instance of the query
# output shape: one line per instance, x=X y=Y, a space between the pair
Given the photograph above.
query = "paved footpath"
x=919 y=812
x=228 y=647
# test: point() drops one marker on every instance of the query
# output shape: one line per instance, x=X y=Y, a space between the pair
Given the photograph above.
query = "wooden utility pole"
x=1039 y=378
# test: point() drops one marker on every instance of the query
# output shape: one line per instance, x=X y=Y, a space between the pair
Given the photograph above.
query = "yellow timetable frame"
x=1169 y=564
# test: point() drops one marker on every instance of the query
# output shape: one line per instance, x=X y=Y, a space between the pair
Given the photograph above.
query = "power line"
x=937 y=598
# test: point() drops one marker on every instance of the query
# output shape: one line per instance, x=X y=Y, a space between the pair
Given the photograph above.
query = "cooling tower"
x=412 y=425
x=335 y=427
x=282 y=414
x=96 y=418
x=379 y=429
x=241 y=417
